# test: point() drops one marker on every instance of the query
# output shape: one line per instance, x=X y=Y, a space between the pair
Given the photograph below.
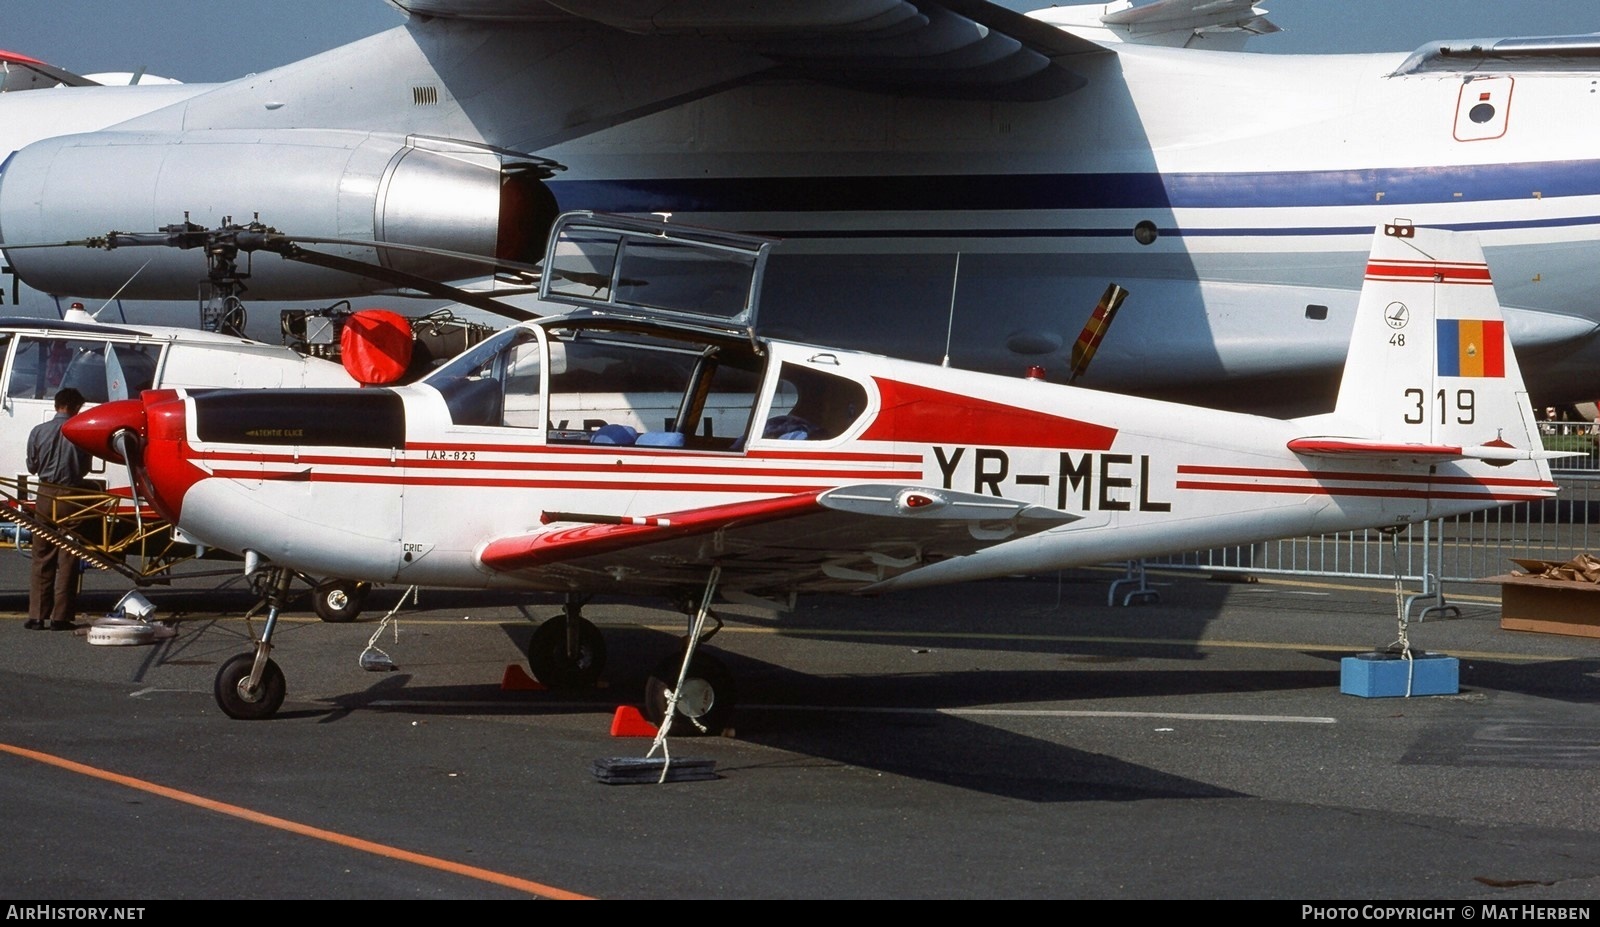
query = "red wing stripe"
x=590 y=539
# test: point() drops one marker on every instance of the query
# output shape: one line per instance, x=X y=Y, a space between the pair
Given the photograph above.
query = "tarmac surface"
x=1008 y=739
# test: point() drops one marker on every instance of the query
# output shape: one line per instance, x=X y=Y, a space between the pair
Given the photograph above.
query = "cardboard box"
x=1387 y=675
x=1550 y=606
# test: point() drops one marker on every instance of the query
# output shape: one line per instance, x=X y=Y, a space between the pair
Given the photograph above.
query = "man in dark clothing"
x=60 y=466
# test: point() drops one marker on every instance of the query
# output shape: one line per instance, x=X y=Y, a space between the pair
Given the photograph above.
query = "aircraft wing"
x=19 y=72
x=836 y=540
x=1218 y=25
x=959 y=48
x=1533 y=53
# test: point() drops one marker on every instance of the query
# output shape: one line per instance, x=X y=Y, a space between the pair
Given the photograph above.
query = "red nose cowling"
x=93 y=429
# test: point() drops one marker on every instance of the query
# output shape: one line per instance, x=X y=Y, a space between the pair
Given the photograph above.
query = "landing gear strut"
x=568 y=651
x=250 y=686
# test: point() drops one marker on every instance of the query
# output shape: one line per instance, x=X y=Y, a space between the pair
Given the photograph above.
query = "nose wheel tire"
x=707 y=696
x=555 y=667
x=339 y=600
x=244 y=704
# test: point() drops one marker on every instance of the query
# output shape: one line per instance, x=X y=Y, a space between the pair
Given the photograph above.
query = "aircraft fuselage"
x=1230 y=193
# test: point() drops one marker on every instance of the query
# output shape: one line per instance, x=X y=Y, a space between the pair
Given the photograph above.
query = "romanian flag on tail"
x=1472 y=348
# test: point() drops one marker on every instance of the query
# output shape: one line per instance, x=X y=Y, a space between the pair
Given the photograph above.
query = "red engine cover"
x=376 y=346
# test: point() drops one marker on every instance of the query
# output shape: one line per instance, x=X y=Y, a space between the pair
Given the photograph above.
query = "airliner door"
x=1483 y=108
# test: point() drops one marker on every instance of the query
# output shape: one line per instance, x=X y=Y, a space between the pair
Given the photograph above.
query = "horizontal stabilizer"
x=1388 y=450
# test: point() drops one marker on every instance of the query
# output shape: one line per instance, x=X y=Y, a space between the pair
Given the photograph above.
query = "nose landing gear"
x=250 y=687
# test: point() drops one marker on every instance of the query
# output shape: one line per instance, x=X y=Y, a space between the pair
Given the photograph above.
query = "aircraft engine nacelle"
x=329 y=184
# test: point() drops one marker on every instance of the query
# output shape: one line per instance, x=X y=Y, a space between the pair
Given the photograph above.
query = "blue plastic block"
x=1384 y=675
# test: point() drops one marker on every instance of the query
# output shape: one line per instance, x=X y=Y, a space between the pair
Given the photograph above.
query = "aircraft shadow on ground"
x=892 y=723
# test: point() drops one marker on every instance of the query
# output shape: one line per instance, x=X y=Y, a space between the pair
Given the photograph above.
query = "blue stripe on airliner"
x=1125 y=191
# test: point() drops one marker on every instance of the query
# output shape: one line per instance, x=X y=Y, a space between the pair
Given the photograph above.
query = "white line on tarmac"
x=1050 y=713
x=954 y=712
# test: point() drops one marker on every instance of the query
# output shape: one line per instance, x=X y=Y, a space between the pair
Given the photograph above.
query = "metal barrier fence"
x=1459 y=549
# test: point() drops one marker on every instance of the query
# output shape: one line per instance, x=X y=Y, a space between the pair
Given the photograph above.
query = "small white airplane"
x=720 y=462
x=106 y=361
x=109 y=361
x=947 y=175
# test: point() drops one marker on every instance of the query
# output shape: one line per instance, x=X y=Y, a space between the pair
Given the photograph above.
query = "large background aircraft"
x=940 y=197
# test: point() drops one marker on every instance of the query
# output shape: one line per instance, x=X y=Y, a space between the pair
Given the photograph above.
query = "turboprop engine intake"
x=359 y=186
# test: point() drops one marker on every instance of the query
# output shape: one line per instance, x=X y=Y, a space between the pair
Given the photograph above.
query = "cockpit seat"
x=615 y=434
x=660 y=439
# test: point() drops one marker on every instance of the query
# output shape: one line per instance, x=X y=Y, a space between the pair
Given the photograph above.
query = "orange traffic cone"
x=630 y=722
x=517 y=679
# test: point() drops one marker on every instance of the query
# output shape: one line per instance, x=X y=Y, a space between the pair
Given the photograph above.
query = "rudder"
x=1430 y=362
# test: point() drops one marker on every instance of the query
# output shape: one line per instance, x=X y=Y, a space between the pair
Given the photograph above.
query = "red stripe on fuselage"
x=1363 y=491
x=220 y=461
x=645 y=453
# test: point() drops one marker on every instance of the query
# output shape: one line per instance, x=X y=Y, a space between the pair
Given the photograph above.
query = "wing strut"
x=692 y=695
x=697 y=625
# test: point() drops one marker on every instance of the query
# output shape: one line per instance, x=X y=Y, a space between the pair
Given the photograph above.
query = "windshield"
x=479 y=360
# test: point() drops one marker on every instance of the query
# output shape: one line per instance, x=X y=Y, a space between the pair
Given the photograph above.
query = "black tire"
x=263 y=703
x=708 y=695
x=339 y=600
x=550 y=663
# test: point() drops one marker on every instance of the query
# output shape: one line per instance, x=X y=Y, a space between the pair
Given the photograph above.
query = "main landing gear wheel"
x=555 y=665
x=339 y=600
x=242 y=703
x=707 y=696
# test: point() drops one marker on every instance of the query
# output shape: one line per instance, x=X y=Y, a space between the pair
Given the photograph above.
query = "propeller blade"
x=116 y=381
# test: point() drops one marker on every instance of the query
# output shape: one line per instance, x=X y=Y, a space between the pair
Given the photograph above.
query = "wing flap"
x=834 y=540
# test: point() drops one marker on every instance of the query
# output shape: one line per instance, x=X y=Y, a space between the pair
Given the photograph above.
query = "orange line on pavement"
x=354 y=843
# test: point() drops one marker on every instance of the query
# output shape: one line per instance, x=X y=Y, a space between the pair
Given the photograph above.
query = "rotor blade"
x=294 y=252
x=98 y=242
x=249 y=239
x=418 y=249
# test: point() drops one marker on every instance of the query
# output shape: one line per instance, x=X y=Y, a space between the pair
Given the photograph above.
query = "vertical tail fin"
x=1430 y=367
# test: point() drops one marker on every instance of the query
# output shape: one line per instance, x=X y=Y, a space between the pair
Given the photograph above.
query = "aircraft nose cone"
x=94 y=430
